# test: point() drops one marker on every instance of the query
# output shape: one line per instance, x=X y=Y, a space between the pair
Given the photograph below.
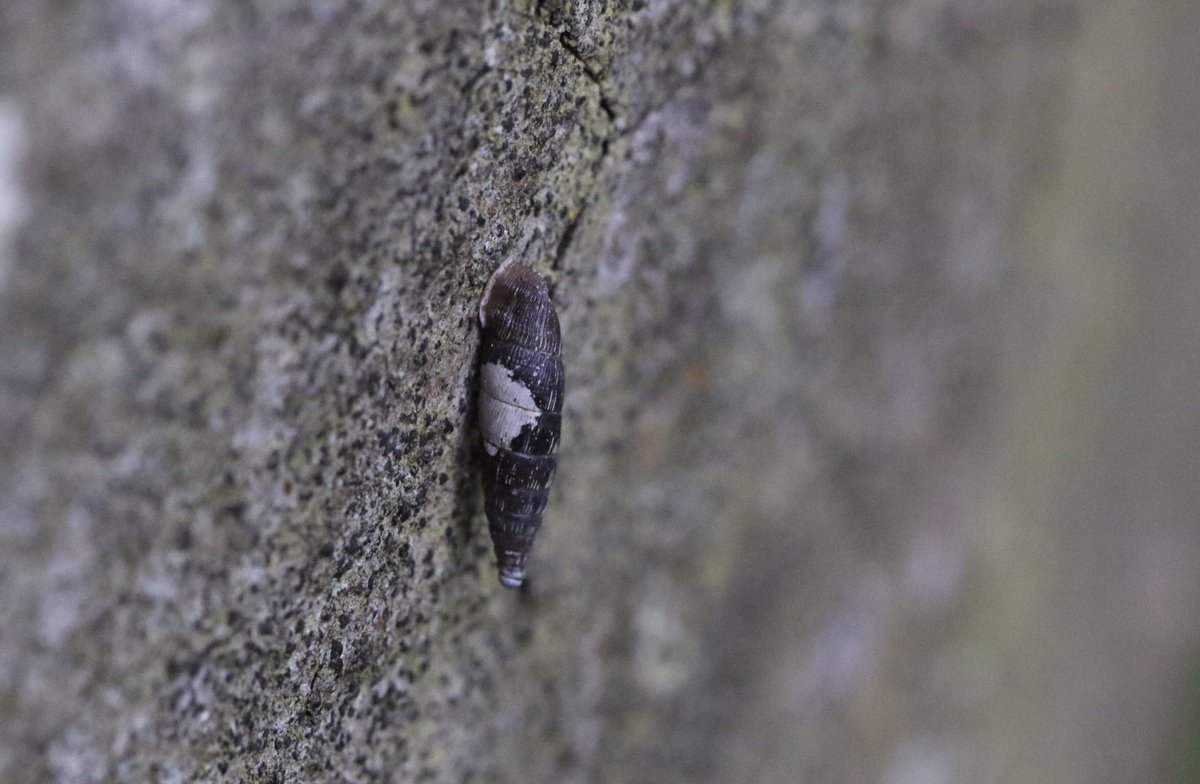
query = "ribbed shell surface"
x=520 y=405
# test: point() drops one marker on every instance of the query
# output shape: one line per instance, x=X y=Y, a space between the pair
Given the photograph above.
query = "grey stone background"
x=881 y=447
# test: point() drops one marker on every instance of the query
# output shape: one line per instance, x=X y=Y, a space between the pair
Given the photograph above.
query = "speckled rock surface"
x=241 y=535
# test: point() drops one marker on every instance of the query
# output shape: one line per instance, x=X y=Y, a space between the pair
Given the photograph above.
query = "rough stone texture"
x=241 y=249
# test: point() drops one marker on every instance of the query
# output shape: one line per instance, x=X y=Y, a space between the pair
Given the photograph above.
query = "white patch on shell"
x=505 y=407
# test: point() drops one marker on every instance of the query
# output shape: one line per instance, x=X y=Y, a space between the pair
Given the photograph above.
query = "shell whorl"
x=516 y=308
x=520 y=405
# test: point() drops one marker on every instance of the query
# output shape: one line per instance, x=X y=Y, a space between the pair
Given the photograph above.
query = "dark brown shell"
x=520 y=406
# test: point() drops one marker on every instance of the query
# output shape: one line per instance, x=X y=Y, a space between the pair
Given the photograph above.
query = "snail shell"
x=520 y=405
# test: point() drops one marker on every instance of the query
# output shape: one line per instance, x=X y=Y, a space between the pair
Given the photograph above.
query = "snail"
x=520 y=410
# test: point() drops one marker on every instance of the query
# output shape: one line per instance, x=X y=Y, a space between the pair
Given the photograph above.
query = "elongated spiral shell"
x=520 y=410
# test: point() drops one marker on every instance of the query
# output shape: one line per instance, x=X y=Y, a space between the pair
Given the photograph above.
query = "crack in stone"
x=564 y=40
x=564 y=242
x=609 y=108
x=605 y=104
x=612 y=131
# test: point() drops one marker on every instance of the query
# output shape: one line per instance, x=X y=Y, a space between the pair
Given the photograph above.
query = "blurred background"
x=881 y=453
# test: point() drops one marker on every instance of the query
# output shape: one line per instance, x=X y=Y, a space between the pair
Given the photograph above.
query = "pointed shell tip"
x=512 y=579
